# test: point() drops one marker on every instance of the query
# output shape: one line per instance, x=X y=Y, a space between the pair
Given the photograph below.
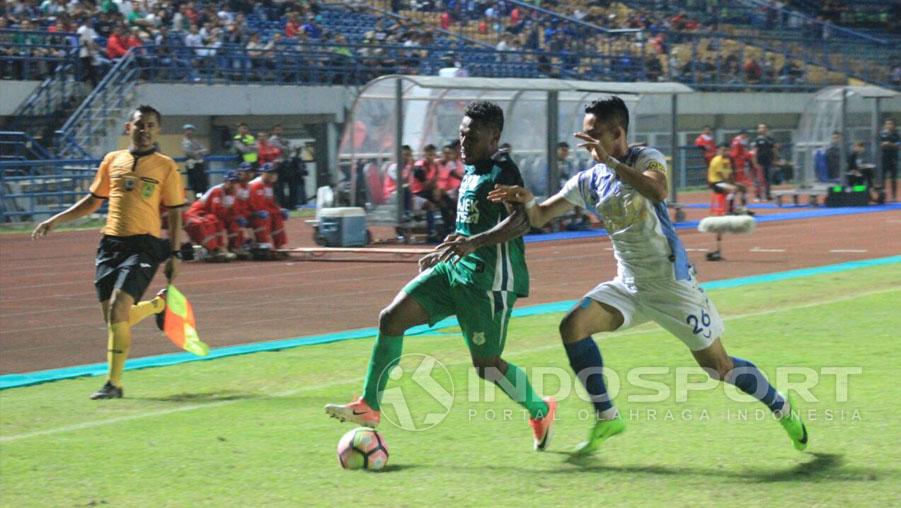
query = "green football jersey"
x=500 y=267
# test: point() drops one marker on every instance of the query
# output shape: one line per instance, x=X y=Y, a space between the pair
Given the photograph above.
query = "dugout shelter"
x=853 y=111
x=392 y=111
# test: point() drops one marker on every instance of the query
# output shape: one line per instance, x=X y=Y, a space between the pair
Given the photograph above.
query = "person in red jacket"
x=705 y=142
x=117 y=43
x=741 y=157
x=266 y=217
x=424 y=184
x=450 y=172
x=239 y=218
x=205 y=221
x=266 y=151
x=389 y=187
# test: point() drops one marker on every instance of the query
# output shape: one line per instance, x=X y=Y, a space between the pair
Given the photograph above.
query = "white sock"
x=608 y=414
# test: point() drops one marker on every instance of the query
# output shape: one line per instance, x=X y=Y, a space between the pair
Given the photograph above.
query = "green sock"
x=516 y=385
x=385 y=355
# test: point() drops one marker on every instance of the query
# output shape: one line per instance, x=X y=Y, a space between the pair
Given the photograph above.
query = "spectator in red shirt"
x=752 y=69
x=291 y=25
x=117 y=43
x=705 y=142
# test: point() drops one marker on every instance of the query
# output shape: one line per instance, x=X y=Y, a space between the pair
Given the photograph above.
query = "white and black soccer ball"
x=362 y=448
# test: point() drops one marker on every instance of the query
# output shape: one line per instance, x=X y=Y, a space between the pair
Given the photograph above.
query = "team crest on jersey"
x=468 y=209
x=147 y=189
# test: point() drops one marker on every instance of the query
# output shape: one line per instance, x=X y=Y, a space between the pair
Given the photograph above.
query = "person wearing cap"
x=266 y=217
x=206 y=219
x=196 y=168
x=240 y=216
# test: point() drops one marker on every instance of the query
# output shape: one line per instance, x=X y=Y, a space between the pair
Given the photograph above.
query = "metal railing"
x=92 y=128
x=17 y=145
x=31 y=189
x=357 y=64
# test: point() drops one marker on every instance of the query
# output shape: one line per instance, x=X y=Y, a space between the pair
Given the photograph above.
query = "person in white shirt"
x=87 y=49
x=627 y=188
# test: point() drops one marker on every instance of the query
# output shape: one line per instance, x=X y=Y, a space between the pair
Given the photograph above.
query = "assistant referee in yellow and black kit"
x=136 y=182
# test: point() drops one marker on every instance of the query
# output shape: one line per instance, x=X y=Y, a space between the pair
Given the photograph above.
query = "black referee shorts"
x=128 y=263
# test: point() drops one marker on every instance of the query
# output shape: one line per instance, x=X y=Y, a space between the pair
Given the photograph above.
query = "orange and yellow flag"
x=180 y=326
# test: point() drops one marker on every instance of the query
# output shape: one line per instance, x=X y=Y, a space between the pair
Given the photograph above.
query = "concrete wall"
x=12 y=93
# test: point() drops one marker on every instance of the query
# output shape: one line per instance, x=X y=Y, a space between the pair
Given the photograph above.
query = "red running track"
x=49 y=316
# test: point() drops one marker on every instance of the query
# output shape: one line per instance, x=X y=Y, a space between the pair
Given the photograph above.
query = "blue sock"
x=748 y=378
x=583 y=355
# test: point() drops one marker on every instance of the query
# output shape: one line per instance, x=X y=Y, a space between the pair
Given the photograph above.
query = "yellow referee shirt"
x=720 y=169
x=136 y=183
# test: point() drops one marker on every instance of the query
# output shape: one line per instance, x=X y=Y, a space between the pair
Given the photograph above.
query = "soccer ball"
x=362 y=448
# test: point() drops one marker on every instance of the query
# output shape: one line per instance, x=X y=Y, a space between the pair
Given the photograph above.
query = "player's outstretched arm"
x=538 y=214
x=515 y=225
x=84 y=206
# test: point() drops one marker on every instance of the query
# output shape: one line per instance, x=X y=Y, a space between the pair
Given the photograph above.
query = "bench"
x=811 y=193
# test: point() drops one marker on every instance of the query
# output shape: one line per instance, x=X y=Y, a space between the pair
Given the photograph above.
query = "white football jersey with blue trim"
x=645 y=243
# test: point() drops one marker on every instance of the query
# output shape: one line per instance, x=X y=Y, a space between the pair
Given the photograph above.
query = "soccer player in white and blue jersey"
x=654 y=281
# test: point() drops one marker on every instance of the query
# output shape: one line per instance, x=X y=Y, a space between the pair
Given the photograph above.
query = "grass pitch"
x=250 y=430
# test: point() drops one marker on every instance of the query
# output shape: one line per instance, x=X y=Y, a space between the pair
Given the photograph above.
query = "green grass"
x=250 y=430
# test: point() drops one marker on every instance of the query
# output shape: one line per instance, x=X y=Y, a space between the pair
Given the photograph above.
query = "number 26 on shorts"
x=699 y=325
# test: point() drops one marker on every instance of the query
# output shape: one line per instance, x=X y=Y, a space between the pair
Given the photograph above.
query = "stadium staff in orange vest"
x=136 y=182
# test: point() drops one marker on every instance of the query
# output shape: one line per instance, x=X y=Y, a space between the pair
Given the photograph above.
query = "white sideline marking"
x=758 y=249
x=839 y=251
x=702 y=249
x=191 y=407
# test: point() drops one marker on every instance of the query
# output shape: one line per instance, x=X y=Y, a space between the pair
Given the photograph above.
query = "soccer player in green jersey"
x=476 y=274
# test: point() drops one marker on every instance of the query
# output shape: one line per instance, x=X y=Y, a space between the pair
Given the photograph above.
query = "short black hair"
x=610 y=109
x=836 y=133
x=145 y=109
x=486 y=113
x=406 y=147
x=429 y=148
x=563 y=144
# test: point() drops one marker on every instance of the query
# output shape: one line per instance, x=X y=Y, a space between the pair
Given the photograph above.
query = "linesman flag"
x=180 y=326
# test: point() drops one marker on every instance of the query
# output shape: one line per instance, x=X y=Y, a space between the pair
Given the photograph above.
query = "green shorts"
x=483 y=315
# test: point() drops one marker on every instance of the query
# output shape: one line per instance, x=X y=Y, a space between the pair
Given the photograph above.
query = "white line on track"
x=758 y=249
x=113 y=421
x=842 y=251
